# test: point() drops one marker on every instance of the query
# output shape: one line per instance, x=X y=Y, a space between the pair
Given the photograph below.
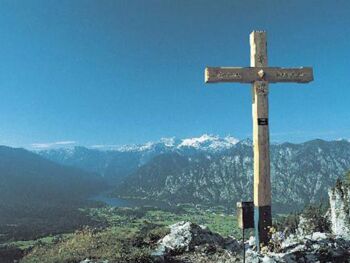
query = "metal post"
x=243 y=246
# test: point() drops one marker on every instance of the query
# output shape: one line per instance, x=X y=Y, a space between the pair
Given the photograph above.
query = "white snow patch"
x=209 y=142
x=168 y=142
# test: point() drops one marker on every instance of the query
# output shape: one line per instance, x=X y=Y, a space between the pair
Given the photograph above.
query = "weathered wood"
x=260 y=110
x=261 y=142
x=258 y=49
x=261 y=139
x=251 y=74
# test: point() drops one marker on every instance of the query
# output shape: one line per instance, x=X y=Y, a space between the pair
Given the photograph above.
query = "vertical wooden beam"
x=261 y=142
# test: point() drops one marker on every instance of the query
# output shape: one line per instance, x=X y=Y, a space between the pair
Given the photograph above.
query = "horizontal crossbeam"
x=251 y=74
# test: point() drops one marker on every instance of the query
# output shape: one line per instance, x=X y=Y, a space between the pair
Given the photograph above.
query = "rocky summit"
x=190 y=243
x=318 y=247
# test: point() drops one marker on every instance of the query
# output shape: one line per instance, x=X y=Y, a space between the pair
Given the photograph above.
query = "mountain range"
x=213 y=170
x=116 y=163
x=300 y=174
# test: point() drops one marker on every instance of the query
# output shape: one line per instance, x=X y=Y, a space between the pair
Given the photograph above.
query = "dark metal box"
x=245 y=215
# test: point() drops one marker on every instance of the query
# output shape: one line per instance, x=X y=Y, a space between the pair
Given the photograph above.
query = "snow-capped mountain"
x=212 y=169
x=114 y=163
x=211 y=143
x=300 y=173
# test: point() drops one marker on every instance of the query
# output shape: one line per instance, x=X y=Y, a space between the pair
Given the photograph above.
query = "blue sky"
x=127 y=71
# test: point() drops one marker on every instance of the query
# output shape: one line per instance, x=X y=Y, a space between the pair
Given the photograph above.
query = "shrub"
x=287 y=224
x=311 y=219
x=314 y=220
x=116 y=245
x=347 y=178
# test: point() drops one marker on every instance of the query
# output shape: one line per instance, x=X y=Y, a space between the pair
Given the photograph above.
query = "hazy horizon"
x=71 y=144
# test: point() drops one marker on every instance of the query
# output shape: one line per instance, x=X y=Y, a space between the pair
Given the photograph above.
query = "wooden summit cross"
x=260 y=75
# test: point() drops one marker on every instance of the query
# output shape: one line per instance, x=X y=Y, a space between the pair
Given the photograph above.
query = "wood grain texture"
x=260 y=110
x=261 y=144
x=249 y=74
x=258 y=49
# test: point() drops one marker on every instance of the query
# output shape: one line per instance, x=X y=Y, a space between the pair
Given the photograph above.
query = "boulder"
x=187 y=236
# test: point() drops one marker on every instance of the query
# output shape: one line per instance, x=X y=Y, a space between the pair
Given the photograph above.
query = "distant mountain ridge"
x=39 y=197
x=213 y=170
x=301 y=173
x=204 y=142
x=27 y=177
x=116 y=163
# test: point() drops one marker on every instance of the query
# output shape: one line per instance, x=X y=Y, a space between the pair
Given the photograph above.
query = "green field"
x=123 y=228
x=217 y=220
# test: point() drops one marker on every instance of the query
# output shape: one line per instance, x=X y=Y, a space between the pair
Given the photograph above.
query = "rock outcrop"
x=187 y=236
x=318 y=247
x=339 y=198
x=190 y=243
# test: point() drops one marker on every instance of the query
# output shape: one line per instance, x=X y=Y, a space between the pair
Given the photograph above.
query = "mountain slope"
x=26 y=176
x=301 y=173
x=38 y=196
x=113 y=166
